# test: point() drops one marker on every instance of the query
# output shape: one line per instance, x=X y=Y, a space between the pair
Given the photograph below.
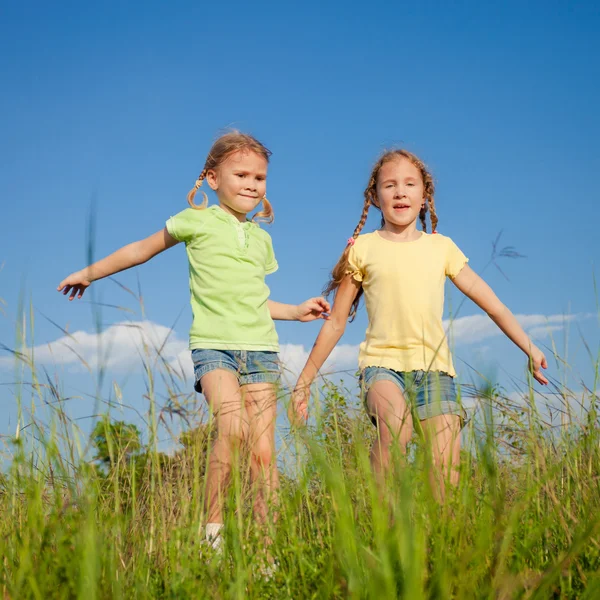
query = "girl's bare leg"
x=260 y=400
x=386 y=403
x=443 y=434
x=222 y=392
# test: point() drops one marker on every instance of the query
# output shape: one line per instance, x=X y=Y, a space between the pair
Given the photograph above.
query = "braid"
x=340 y=271
x=192 y=192
x=363 y=216
x=432 y=214
x=429 y=196
x=266 y=214
x=423 y=218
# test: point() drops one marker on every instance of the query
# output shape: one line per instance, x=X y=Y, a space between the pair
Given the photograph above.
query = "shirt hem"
x=407 y=367
x=220 y=345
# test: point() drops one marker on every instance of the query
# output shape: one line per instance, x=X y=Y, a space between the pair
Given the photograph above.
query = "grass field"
x=107 y=516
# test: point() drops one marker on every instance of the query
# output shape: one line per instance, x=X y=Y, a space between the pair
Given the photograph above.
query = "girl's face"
x=400 y=192
x=240 y=182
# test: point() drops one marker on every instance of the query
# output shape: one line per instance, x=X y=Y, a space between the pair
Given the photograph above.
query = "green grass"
x=105 y=516
x=524 y=522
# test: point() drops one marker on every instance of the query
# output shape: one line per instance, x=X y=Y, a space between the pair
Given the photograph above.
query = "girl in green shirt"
x=233 y=339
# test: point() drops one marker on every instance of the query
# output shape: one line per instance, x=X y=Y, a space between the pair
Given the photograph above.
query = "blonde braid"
x=423 y=217
x=266 y=214
x=432 y=214
x=429 y=187
x=192 y=192
x=363 y=216
x=340 y=270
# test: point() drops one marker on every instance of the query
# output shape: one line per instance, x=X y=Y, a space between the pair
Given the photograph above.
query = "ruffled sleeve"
x=354 y=264
x=455 y=259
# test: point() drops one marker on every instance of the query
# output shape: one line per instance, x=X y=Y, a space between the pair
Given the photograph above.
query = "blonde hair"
x=341 y=268
x=222 y=149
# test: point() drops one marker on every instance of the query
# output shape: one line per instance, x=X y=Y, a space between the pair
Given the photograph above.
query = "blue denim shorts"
x=427 y=393
x=250 y=366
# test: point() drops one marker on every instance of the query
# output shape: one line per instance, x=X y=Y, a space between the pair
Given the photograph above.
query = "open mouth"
x=399 y=206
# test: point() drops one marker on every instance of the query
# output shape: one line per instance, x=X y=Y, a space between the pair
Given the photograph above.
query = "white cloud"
x=541 y=332
x=120 y=346
x=182 y=363
x=124 y=345
x=475 y=328
x=294 y=356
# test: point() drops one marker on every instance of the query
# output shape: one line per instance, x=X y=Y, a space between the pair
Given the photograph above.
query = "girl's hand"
x=298 y=408
x=537 y=361
x=76 y=283
x=312 y=309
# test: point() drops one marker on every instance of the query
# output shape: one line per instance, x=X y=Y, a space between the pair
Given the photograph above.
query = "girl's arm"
x=330 y=334
x=472 y=286
x=124 y=258
x=313 y=308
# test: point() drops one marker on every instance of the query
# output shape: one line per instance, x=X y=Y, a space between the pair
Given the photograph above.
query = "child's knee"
x=234 y=434
x=262 y=453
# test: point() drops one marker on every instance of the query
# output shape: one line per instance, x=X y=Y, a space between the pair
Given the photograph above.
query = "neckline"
x=421 y=237
x=223 y=214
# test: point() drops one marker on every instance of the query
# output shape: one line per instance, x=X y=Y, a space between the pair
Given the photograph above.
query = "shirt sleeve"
x=455 y=259
x=354 y=267
x=271 y=263
x=184 y=226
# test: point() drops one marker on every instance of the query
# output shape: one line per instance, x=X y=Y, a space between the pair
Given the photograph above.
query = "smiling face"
x=400 y=192
x=240 y=182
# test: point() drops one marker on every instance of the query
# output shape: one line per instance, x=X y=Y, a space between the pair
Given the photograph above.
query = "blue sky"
x=117 y=104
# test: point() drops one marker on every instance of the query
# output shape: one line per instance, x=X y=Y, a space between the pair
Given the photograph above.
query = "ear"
x=375 y=201
x=213 y=179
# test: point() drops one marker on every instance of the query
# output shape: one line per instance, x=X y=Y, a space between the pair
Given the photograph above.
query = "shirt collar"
x=226 y=217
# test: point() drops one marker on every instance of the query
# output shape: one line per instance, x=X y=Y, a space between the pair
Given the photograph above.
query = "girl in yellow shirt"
x=405 y=362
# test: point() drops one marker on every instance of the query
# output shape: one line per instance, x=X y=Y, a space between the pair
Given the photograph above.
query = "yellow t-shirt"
x=403 y=283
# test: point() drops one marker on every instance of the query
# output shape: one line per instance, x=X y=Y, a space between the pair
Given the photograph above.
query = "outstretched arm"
x=474 y=287
x=330 y=334
x=311 y=309
x=124 y=258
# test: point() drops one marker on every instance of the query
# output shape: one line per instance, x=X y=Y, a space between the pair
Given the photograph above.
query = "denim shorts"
x=250 y=366
x=427 y=393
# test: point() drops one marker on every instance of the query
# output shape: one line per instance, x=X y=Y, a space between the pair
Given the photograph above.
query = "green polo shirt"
x=228 y=261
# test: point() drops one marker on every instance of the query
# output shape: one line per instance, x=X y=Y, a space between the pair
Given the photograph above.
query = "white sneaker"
x=268 y=571
x=213 y=536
